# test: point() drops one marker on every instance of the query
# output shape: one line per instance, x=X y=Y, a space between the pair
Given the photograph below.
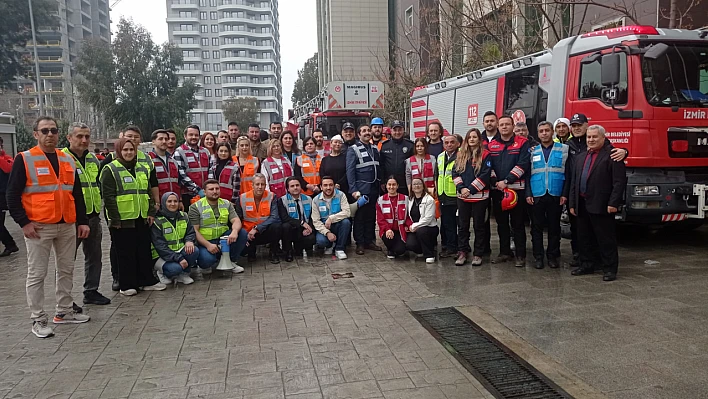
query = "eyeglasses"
x=45 y=131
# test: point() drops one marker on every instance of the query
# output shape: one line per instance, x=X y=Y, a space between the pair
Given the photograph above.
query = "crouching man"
x=330 y=217
x=295 y=212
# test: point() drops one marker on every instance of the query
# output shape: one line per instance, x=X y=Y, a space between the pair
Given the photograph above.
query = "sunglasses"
x=45 y=131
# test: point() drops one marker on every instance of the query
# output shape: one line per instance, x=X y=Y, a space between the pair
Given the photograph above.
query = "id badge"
x=128 y=179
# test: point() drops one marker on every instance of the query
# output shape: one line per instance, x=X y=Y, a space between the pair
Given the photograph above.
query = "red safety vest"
x=167 y=175
x=394 y=217
x=277 y=175
x=197 y=165
x=428 y=171
x=227 y=188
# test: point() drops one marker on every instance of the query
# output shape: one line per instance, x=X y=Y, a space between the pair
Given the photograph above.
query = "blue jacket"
x=363 y=171
x=549 y=176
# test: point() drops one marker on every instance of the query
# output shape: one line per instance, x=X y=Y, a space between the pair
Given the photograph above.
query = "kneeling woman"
x=471 y=175
x=422 y=227
x=173 y=238
x=126 y=185
x=391 y=217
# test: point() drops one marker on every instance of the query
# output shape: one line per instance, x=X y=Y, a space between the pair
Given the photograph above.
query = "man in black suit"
x=597 y=191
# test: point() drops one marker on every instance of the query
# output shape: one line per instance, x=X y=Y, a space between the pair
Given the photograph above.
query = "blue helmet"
x=377 y=121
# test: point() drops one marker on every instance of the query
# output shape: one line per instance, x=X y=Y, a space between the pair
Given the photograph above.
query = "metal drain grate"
x=501 y=371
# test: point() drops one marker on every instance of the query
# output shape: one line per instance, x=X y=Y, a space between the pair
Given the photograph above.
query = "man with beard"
x=171 y=142
x=319 y=142
x=377 y=132
x=234 y=134
x=490 y=131
x=435 y=142
x=276 y=129
x=258 y=149
x=222 y=137
x=349 y=136
x=330 y=217
x=394 y=154
x=192 y=164
x=561 y=127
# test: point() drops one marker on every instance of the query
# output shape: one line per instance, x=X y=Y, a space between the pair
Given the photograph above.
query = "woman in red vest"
x=391 y=216
x=208 y=141
x=307 y=168
x=247 y=163
x=276 y=168
x=421 y=165
x=224 y=170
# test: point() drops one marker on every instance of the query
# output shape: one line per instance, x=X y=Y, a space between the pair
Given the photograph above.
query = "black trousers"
x=187 y=201
x=5 y=236
x=394 y=244
x=517 y=215
x=574 y=233
x=488 y=228
x=423 y=240
x=448 y=224
x=364 y=224
x=546 y=212
x=271 y=235
x=294 y=240
x=476 y=212
x=133 y=256
x=597 y=238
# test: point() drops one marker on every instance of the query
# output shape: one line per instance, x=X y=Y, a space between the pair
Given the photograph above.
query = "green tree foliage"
x=16 y=31
x=135 y=81
x=307 y=85
x=242 y=110
x=24 y=137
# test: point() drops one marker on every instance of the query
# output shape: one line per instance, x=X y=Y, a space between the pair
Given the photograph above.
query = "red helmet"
x=509 y=200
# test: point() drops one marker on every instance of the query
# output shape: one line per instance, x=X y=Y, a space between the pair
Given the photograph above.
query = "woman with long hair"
x=224 y=170
x=422 y=226
x=276 y=168
x=247 y=163
x=421 y=165
x=125 y=185
x=391 y=216
x=208 y=141
x=471 y=175
x=307 y=167
x=289 y=146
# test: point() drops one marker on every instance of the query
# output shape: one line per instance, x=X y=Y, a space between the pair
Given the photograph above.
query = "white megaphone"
x=225 y=261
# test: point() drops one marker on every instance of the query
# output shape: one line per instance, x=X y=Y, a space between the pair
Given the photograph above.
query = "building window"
x=205 y=55
x=204 y=28
x=203 y=15
x=205 y=41
x=212 y=3
x=214 y=41
x=202 y=3
x=217 y=93
x=186 y=27
x=218 y=106
x=217 y=67
x=187 y=40
x=208 y=105
x=217 y=79
x=215 y=29
x=213 y=15
x=207 y=80
x=214 y=121
x=206 y=67
x=187 y=53
x=188 y=66
x=409 y=18
x=215 y=54
x=207 y=93
x=185 y=14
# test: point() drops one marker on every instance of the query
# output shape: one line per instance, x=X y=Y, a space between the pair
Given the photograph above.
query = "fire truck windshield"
x=677 y=78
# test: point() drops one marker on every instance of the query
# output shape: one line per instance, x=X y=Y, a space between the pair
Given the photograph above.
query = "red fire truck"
x=647 y=86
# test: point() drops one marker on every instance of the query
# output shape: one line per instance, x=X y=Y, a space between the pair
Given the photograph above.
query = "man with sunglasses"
x=45 y=198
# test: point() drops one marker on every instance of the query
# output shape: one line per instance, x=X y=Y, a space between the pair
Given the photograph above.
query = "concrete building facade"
x=231 y=48
x=353 y=39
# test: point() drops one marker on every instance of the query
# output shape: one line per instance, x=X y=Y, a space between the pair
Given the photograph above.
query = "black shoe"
x=360 y=250
x=116 y=285
x=390 y=255
x=580 y=271
x=446 y=253
x=319 y=251
x=273 y=258
x=609 y=276
x=576 y=260
x=95 y=298
x=76 y=308
x=288 y=256
x=538 y=264
x=372 y=247
x=521 y=262
x=553 y=263
x=502 y=259
x=9 y=251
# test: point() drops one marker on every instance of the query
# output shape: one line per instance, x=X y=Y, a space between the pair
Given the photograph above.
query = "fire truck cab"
x=648 y=87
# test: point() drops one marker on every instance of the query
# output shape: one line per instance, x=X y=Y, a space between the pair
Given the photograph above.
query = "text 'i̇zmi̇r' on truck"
x=338 y=103
x=647 y=86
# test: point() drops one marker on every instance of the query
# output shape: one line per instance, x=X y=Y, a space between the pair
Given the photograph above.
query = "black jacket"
x=605 y=186
x=393 y=161
x=471 y=180
x=511 y=160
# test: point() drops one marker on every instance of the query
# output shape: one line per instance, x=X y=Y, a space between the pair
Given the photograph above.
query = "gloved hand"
x=201 y=193
x=363 y=200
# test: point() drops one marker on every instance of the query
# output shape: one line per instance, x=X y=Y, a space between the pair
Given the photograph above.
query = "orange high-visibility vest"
x=310 y=171
x=250 y=167
x=46 y=197
x=253 y=215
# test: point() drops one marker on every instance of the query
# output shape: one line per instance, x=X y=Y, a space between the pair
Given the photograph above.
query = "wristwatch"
x=506 y=181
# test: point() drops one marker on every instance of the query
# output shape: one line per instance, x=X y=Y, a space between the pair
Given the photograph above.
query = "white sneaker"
x=161 y=276
x=41 y=328
x=70 y=318
x=340 y=255
x=129 y=292
x=237 y=268
x=512 y=246
x=156 y=287
x=328 y=251
x=207 y=271
x=184 y=279
x=429 y=260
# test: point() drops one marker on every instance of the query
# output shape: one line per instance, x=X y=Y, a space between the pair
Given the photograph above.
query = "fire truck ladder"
x=700 y=191
x=318 y=102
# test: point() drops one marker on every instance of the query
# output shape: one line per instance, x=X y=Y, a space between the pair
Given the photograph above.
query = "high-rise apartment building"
x=231 y=48
x=58 y=45
x=353 y=39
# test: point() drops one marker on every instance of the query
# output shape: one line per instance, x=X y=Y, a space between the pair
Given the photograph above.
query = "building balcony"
x=247 y=72
x=192 y=32
x=49 y=59
x=45 y=43
x=245 y=33
x=178 y=19
x=248 y=59
x=191 y=72
x=235 y=6
x=192 y=5
x=250 y=21
x=188 y=46
x=191 y=59
x=248 y=85
x=243 y=46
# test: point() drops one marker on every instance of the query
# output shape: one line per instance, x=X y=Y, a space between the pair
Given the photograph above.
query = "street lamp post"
x=36 y=60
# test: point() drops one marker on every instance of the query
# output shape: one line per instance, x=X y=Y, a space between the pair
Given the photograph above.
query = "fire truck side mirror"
x=657 y=50
x=610 y=69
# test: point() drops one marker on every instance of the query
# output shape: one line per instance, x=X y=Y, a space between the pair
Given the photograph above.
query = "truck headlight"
x=646 y=190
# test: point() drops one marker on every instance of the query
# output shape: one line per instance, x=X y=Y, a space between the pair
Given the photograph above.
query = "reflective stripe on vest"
x=88 y=176
x=427 y=174
x=395 y=217
x=445 y=183
x=364 y=158
x=250 y=167
x=197 y=165
x=277 y=175
x=291 y=206
x=254 y=215
x=310 y=171
x=548 y=177
x=325 y=210
x=167 y=175
x=174 y=234
x=132 y=194
x=211 y=227
x=48 y=198
x=227 y=188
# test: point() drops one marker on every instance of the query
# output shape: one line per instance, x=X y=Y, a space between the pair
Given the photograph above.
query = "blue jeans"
x=208 y=260
x=341 y=229
x=174 y=269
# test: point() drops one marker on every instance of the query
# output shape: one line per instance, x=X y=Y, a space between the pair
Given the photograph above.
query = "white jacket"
x=427 y=212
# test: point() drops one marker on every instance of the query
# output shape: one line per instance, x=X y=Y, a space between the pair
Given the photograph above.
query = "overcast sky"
x=298 y=32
